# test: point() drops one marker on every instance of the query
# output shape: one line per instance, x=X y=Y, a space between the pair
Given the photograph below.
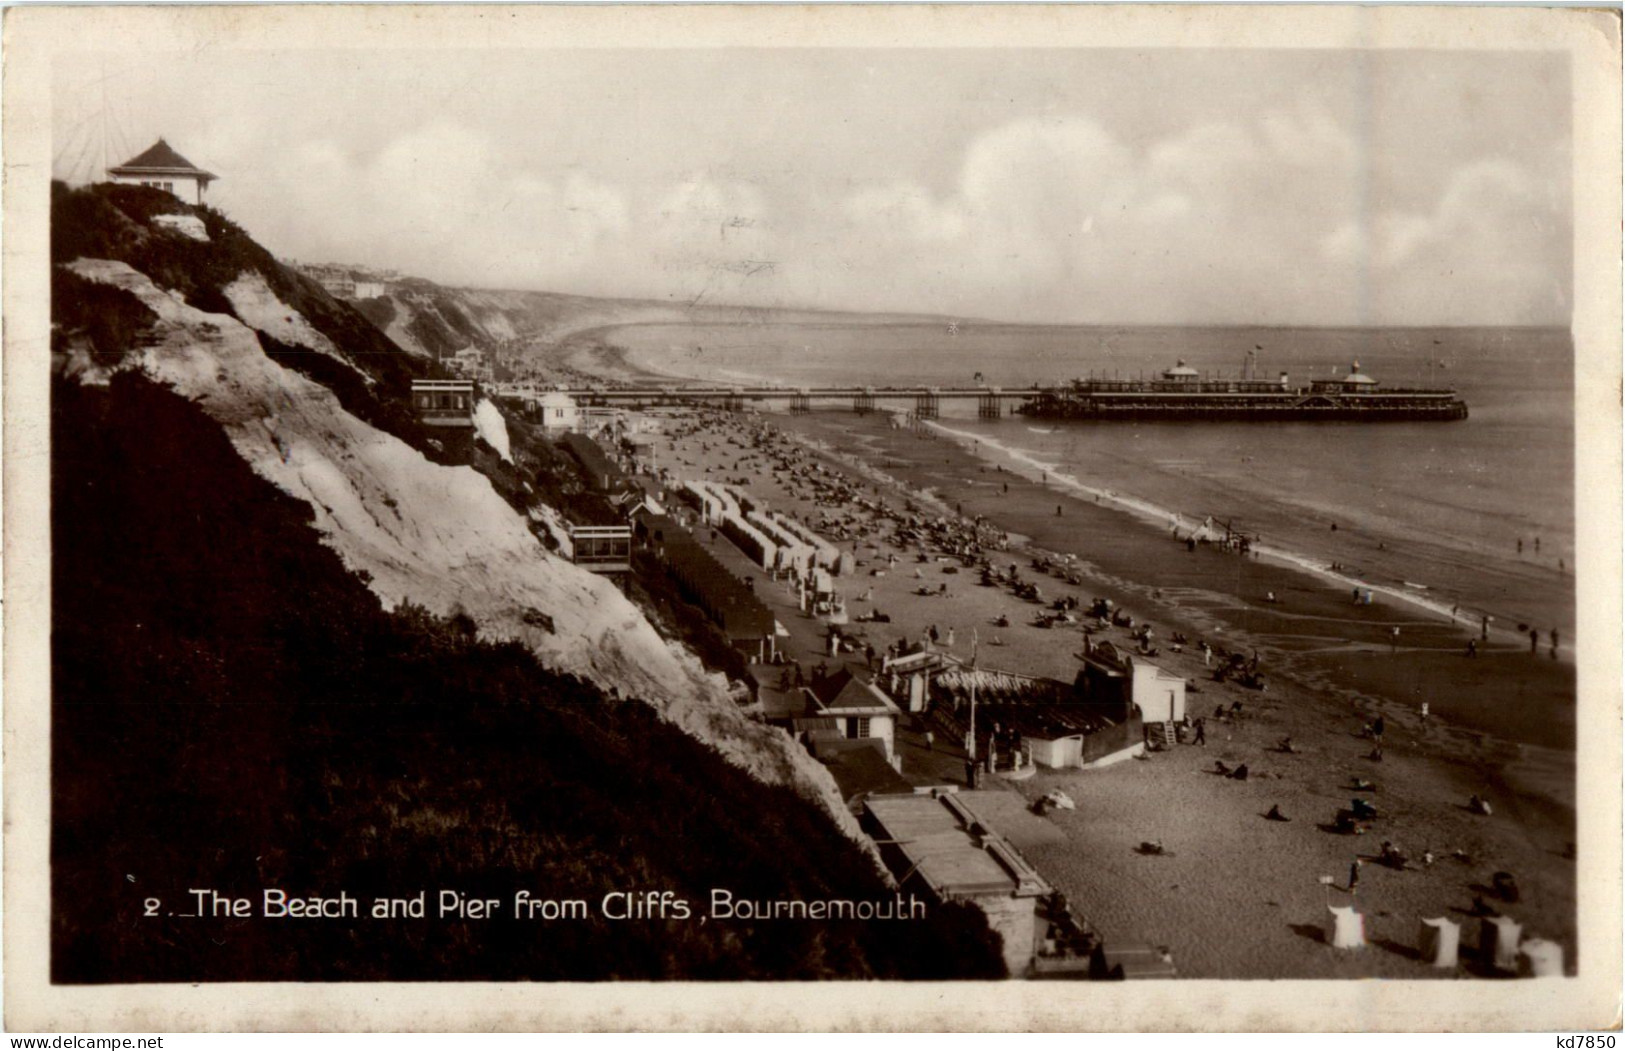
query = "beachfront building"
x=939 y=844
x=1116 y=680
x=859 y=711
x=602 y=549
x=160 y=167
x=559 y=412
x=1057 y=724
x=444 y=403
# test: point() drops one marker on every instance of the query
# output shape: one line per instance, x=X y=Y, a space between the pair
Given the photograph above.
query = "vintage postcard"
x=847 y=517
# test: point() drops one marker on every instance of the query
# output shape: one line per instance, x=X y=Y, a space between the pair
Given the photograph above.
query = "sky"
x=1121 y=186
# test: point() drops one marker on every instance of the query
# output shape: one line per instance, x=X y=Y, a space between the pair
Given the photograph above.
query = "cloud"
x=1262 y=221
x=1493 y=250
x=1272 y=217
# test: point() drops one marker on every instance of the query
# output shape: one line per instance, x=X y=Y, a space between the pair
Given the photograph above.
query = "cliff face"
x=281 y=368
x=433 y=321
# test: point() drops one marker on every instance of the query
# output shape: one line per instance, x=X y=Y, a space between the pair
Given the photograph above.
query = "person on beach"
x=1354 y=875
x=1472 y=647
x=1484 y=628
x=1424 y=713
x=930 y=741
x=1201 y=732
x=1534 y=641
x=1554 y=643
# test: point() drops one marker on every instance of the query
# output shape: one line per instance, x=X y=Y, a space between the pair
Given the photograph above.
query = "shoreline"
x=1314 y=631
x=1152 y=515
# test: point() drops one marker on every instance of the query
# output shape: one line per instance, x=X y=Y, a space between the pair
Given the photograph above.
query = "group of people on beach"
x=933 y=535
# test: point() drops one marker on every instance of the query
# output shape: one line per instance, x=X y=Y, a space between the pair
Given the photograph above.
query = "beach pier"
x=863 y=402
x=990 y=406
x=927 y=404
x=801 y=401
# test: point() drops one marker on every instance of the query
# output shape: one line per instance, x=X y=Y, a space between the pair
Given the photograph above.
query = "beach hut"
x=1440 y=942
x=1545 y=958
x=1062 y=752
x=1348 y=927
x=1498 y=943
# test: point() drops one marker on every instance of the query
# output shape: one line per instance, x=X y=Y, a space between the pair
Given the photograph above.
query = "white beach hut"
x=1440 y=942
x=1545 y=958
x=1348 y=927
x=1498 y=943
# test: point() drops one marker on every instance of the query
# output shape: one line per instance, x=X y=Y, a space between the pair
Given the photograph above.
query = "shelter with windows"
x=604 y=549
x=160 y=167
x=444 y=403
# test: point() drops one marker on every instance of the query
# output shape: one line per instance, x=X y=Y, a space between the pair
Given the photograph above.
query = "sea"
x=1471 y=518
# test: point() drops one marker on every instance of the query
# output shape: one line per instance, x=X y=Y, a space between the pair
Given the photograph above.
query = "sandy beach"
x=1235 y=895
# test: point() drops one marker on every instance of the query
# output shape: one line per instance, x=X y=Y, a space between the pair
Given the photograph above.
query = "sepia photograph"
x=1064 y=500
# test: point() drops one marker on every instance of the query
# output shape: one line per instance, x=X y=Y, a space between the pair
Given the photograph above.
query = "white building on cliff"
x=161 y=167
